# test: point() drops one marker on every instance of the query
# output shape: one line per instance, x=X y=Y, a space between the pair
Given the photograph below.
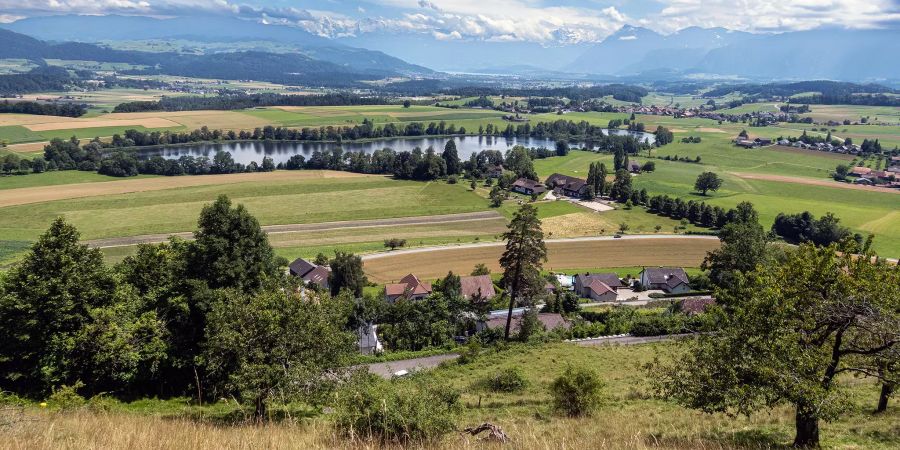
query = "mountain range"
x=631 y=53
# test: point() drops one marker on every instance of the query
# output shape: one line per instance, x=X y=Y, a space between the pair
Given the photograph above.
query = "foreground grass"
x=628 y=419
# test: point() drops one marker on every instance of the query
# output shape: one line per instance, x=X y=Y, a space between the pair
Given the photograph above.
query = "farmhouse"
x=860 y=171
x=409 y=287
x=528 y=187
x=310 y=273
x=495 y=171
x=566 y=185
x=746 y=143
x=673 y=280
x=634 y=167
x=599 y=287
x=477 y=287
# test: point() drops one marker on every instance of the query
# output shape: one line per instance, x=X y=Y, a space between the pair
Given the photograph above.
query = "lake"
x=245 y=152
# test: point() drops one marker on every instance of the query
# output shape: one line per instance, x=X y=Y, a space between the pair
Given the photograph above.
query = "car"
x=617 y=236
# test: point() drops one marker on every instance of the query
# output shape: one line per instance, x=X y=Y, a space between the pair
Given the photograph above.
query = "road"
x=388 y=369
x=547 y=241
x=301 y=227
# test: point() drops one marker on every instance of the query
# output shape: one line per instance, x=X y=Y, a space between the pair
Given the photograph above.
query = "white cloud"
x=503 y=20
x=770 y=15
x=627 y=38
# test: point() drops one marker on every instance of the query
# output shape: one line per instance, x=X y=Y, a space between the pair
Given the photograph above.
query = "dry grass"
x=561 y=255
x=23 y=196
x=87 y=430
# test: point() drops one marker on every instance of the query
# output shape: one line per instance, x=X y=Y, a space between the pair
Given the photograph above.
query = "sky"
x=547 y=22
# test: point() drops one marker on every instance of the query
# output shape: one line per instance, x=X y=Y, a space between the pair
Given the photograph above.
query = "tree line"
x=65 y=109
x=229 y=100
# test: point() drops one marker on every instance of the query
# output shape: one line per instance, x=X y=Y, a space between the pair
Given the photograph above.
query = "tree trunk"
x=512 y=302
x=887 y=389
x=807 y=430
x=259 y=412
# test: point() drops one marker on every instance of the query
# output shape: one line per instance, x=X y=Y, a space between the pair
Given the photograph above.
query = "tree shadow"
x=749 y=439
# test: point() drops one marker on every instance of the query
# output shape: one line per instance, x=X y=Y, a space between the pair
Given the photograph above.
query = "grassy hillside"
x=629 y=417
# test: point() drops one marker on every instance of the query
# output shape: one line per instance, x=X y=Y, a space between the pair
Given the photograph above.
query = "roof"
x=319 y=275
x=408 y=285
x=550 y=321
x=610 y=279
x=528 y=184
x=861 y=170
x=566 y=182
x=599 y=287
x=477 y=286
x=696 y=305
x=671 y=276
x=301 y=267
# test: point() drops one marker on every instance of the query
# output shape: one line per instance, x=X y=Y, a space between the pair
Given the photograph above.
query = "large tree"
x=451 y=158
x=744 y=247
x=707 y=181
x=347 y=274
x=45 y=303
x=787 y=332
x=274 y=344
x=519 y=162
x=523 y=258
x=230 y=249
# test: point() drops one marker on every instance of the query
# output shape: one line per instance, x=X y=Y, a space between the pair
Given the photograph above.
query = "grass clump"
x=576 y=392
x=510 y=379
x=398 y=411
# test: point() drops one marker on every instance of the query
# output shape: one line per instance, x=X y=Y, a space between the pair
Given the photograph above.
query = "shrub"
x=66 y=398
x=452 y=179
x=510 y=379
x=577 y=392
x=398 y=411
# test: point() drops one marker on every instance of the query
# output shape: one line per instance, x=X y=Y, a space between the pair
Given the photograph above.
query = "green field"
x=56 y=178
x=277 y=202
x=18 y=134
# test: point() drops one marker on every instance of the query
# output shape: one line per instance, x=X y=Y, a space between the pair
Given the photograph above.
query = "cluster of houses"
x=851 y=149
x=888 y=177
x=752 y=143
x=597 y=287
x=561 y=184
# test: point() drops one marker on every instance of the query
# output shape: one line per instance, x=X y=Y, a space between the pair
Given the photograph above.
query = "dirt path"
x=24 y=196
x=813 y=182
x=309 y=227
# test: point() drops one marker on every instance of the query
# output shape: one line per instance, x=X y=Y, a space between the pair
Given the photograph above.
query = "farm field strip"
x=40 y=194
x=601 y=251
x=320 y=227
x=814 y=182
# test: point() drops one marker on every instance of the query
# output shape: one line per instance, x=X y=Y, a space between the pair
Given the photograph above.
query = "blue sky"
x=549 y=22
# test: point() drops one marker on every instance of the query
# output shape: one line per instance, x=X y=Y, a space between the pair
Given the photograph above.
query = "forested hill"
x=285 y=68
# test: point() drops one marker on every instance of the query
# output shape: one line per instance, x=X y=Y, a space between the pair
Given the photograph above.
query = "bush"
x=66 y=398
x=510 y=379
x=576 y=392
x=452 y=179
x=398 y=411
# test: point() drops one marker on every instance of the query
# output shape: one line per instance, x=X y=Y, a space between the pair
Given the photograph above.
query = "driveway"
x=388 y=369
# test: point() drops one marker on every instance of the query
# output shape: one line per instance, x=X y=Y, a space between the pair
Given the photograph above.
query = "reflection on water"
x=246 y=152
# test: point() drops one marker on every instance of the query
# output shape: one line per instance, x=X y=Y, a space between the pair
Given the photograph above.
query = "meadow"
x=628 y=418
